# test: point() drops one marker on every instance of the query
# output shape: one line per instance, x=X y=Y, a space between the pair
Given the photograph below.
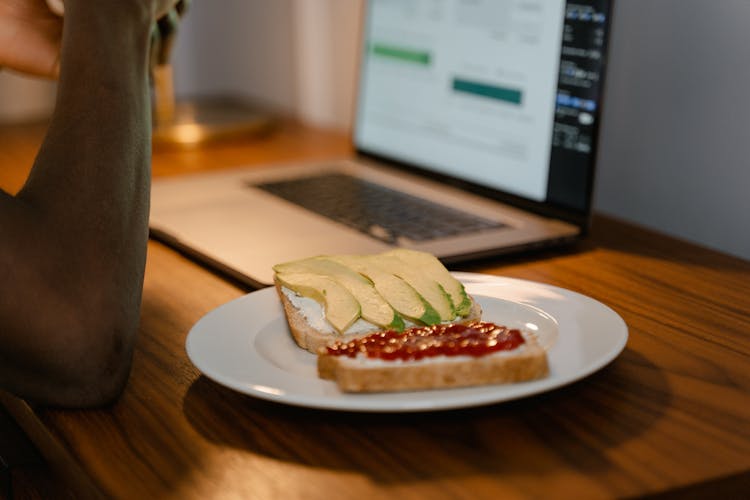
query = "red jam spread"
x=473 y=339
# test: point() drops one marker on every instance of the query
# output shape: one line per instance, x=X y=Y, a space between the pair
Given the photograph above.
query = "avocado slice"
x=374 y=308
x=340 y=307
x=422 y=282
x=395 y=290
x=433 y=267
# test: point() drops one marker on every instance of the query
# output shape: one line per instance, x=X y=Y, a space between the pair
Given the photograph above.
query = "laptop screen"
x=502 y=94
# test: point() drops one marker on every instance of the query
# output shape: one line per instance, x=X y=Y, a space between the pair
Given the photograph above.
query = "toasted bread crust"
x=351 y=376
x=313 y=340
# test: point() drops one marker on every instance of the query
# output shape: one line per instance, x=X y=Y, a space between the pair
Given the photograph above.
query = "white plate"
x=245 y=345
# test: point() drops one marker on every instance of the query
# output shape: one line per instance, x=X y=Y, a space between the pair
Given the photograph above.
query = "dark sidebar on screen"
x=584 y=49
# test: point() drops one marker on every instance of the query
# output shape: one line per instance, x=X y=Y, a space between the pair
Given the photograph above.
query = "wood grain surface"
x=669 y=417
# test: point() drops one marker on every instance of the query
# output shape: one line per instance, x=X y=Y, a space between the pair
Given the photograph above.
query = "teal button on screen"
x=505 y=94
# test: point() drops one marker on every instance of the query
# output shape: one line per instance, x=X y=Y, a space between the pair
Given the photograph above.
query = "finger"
x=182 y=7
x=154 y=49
x=167 y=30
x=56 y=6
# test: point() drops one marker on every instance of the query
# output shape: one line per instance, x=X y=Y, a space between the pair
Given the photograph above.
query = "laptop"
x=475 y=132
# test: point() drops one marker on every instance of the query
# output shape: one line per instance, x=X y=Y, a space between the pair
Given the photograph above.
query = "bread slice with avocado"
x=342 y=297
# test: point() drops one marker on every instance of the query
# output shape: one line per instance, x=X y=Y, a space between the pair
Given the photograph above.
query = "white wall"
x=327 y=42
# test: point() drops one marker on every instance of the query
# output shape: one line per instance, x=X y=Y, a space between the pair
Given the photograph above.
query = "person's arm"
x=73 y=240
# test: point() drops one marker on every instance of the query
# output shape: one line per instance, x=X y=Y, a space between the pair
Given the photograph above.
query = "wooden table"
x=669 y=417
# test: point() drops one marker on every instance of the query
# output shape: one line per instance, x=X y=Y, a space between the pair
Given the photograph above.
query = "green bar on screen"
x=402 y=54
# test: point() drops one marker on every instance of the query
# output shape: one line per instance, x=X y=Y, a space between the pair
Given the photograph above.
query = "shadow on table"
x=572 y=427
x=621 y=238
x=630 y=238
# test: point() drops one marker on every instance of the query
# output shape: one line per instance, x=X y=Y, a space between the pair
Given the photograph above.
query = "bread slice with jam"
x=442 y=356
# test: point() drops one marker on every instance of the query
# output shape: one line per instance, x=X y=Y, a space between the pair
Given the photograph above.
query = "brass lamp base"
x=201 y=121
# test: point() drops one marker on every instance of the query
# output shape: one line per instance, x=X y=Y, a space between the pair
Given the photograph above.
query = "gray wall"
x=295 y=55
x=239 y=47
x=676 y=142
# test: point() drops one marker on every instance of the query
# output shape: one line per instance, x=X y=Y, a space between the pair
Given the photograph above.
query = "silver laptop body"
x=488 y=108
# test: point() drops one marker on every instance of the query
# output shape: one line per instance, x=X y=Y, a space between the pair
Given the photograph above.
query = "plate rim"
x=479 y=396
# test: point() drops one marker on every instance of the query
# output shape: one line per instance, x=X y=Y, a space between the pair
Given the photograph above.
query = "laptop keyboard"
x=377 y=210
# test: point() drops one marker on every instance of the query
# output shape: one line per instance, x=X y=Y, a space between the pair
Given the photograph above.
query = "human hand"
x=30 y=36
